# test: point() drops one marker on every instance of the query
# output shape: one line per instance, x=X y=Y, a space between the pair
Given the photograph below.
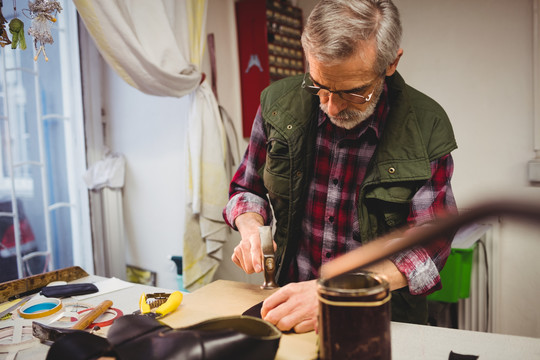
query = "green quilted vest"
x=416 y=132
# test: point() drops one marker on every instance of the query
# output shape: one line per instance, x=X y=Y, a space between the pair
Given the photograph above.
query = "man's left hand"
x=293 y=307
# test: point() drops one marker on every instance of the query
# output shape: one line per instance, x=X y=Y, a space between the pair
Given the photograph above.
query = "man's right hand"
x=248 y=254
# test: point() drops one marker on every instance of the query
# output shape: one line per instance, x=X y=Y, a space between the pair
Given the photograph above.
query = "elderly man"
x=340 y=156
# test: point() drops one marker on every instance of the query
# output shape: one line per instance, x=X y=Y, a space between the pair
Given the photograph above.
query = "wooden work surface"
x=220 y=298
x=224 y=298
x=409 y=342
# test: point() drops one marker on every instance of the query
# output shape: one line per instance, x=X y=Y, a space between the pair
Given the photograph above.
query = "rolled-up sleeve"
x=421 y=265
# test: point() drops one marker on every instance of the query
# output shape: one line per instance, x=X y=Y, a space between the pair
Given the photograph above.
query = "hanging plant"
x=43 y=14
x=16 y=28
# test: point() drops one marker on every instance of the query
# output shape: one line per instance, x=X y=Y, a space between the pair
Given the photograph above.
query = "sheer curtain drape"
x=157 y=47
x=147 y=43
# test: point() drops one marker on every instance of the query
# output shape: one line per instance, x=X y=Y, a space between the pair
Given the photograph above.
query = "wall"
x=149 y=131
x=474 y=57
x=482 y=77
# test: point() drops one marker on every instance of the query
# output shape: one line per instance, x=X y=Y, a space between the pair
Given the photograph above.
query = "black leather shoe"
x=136 y=337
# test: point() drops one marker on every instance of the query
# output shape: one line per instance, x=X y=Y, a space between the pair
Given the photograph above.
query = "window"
x=42 y=153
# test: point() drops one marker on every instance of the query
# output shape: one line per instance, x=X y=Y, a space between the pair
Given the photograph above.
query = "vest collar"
x=401 y=154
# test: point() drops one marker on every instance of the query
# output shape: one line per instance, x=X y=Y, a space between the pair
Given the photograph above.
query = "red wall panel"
x=253 y=54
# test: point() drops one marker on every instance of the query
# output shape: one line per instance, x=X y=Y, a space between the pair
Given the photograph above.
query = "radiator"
x=476 y=312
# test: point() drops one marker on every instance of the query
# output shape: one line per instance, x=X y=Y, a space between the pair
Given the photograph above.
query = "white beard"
x=349 y=119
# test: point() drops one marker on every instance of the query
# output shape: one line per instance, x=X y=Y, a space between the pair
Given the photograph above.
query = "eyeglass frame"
x=351 y=92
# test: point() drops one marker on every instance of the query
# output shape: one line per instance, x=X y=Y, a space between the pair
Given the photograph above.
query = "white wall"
x=149 y=131
x=474 y=57
x=467 y=57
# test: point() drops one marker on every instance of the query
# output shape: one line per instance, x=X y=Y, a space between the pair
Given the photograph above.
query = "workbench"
x=223 y=298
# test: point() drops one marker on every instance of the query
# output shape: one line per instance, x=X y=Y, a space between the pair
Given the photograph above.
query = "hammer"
x=269 y=261
x=49 y=334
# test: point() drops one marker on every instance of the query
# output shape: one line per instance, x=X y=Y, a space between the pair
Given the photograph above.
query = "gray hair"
x=336 y=28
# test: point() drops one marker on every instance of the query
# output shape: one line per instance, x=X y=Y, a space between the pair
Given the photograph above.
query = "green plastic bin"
x=455 y=276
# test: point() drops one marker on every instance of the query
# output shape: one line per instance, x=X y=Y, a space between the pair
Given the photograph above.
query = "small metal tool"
x=15 y=306
x=269 y=261
x=163 y=304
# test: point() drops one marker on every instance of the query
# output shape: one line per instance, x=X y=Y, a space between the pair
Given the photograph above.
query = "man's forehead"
x=351 y=73
x=357 y=67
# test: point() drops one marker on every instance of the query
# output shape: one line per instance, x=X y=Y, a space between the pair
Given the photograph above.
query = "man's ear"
x=391 y=69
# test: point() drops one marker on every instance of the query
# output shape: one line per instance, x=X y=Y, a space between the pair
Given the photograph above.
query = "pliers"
x=165 y=303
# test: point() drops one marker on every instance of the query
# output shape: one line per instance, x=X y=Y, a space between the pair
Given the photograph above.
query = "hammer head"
x=48 y=334
x=269 y=264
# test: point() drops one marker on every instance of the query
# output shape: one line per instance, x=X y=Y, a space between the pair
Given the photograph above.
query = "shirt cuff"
x=245 y=202
x=419 y=269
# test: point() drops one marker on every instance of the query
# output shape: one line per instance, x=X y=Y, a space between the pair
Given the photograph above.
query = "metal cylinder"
x=354 y=317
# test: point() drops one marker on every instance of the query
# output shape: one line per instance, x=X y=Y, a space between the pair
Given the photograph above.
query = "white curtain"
x=157 y=47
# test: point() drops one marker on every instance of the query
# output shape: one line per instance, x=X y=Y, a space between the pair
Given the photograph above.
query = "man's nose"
x=335 y=104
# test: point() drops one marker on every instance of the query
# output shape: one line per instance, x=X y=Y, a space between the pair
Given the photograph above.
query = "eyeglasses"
x=347 y=95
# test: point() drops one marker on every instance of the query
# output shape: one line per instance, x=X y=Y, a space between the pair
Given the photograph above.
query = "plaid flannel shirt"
x=330 y=225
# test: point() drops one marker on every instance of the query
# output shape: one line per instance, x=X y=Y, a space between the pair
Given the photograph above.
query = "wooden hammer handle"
x=92 y=315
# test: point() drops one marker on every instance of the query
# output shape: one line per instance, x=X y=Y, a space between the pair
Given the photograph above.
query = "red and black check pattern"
x=330 y=225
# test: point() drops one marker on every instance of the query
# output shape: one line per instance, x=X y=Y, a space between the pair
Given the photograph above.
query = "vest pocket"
x=389 y=207
x=397 y=217
x=277 y=169
x=393 y=193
